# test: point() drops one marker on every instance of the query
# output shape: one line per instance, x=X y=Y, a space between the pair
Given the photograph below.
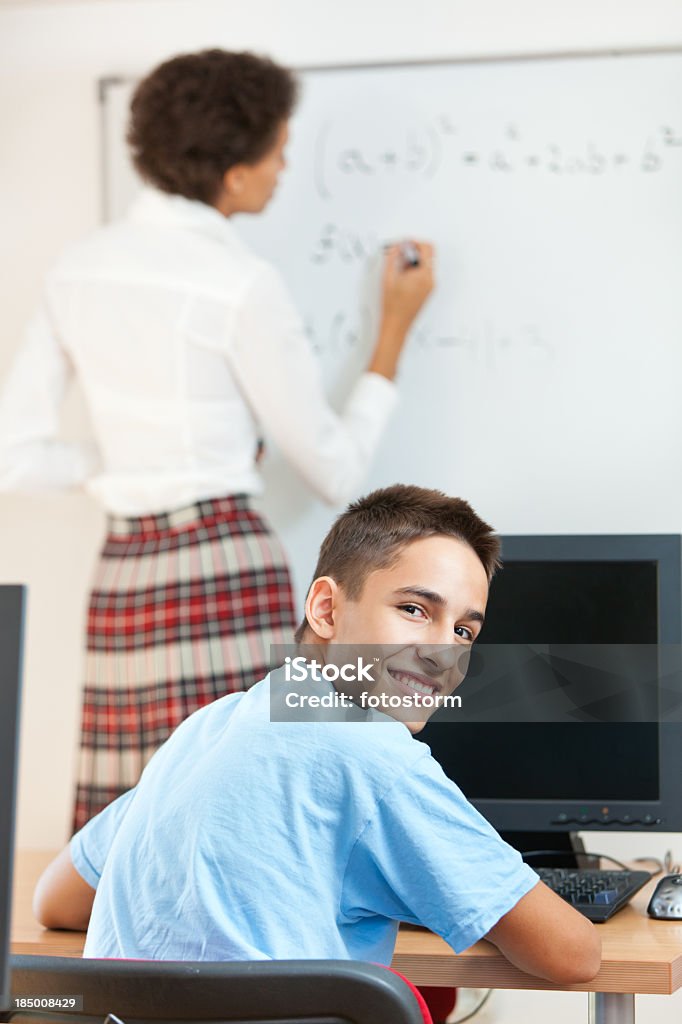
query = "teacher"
x=189 y=351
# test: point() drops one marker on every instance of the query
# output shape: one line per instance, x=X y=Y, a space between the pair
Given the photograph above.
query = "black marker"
x=410 y=254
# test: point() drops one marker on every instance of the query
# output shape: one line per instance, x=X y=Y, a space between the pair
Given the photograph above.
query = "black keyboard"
x=596 y=894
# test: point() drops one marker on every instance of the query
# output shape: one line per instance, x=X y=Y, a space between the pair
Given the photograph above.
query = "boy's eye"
x=412 y=609
x=465 y=633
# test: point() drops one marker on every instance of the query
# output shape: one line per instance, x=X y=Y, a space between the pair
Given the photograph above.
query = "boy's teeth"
x=410 y=681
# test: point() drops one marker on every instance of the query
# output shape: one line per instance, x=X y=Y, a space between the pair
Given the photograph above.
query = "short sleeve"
x=428 y=857
x=90 y=846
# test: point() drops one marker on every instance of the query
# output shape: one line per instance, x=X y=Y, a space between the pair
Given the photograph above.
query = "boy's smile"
x=413 y=682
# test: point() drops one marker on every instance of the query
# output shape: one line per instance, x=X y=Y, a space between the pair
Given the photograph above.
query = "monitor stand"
x=564 y=848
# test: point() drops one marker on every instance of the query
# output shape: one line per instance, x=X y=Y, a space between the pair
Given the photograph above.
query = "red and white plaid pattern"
x=183 y=609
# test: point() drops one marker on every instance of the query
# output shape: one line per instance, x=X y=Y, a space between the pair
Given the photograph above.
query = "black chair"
x=258 y=992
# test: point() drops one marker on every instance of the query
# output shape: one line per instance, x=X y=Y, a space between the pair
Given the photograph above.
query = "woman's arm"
x=280 y=378
x=62 y=899
x=404 y=292
x=31 y=456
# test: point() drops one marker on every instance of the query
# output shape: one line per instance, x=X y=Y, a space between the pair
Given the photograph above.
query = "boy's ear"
x=321 y=606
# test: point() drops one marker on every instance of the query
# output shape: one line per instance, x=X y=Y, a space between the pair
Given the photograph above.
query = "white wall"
x=51 y=56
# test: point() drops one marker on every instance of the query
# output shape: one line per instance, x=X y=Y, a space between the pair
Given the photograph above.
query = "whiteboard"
x=541 y=381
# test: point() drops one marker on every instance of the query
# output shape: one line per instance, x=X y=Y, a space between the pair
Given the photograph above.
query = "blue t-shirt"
x=248 y=839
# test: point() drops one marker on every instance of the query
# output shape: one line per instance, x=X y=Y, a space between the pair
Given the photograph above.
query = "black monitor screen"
x=560 y=602
x=573 y=603
x=11 y=626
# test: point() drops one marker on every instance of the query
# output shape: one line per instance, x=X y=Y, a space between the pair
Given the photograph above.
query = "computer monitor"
x=12 y=600
x=537 y=781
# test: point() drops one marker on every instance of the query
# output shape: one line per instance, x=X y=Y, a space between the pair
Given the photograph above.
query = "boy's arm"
x=545 y=936
x=65 y=891
x=62 y=899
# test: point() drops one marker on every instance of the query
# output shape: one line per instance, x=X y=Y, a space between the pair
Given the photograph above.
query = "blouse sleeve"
x=31 y=456
x=279 y=375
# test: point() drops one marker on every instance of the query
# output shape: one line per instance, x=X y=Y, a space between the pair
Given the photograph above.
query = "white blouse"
x=188 y=348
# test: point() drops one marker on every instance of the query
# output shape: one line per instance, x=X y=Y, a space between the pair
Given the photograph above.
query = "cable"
x=651 y=860
x=670 y=867
x=576 y=853
x=472 y=1013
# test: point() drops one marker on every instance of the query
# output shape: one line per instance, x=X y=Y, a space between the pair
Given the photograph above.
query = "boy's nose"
x=445 y=657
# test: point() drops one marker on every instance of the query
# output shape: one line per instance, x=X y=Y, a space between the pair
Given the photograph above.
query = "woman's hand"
x=405 y=289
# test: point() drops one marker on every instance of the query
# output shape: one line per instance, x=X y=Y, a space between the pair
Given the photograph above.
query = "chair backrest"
x=258 y=992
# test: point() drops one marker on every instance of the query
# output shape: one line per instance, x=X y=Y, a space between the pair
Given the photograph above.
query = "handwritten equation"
x=485 y=344
x=422 y=150
x=347 y=246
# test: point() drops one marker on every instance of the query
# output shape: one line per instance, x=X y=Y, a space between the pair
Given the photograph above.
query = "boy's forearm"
x=62 y=899
x=544 y=936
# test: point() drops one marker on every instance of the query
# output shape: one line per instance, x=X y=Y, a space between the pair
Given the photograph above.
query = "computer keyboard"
x=596 y=894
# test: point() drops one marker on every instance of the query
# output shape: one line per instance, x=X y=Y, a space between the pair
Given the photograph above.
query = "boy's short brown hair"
x=199 y=114
x=372 y=531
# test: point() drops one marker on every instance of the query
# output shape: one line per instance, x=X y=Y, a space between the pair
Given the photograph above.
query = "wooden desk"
x=639 y=955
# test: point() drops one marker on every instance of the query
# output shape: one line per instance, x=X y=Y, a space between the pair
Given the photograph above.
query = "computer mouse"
x=666 y=901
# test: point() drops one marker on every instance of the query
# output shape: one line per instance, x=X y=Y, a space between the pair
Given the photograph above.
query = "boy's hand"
x=543 y=935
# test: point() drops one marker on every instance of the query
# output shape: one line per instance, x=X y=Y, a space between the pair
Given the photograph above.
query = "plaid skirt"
x=183 y=609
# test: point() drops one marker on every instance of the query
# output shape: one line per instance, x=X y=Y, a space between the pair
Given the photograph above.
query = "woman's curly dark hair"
x=199 y=114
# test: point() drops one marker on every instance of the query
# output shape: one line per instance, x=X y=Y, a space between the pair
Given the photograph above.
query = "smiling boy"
x=249 y=838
